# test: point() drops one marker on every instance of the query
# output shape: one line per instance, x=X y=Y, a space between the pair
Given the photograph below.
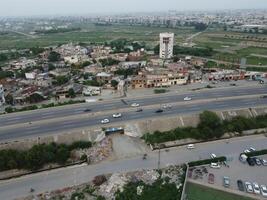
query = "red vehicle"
x=211 y=178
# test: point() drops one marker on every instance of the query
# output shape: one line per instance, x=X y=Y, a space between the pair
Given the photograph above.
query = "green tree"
x=35 y=98
x=9 y=99
x=114 y=83
x=71 y=93
x=54 y=56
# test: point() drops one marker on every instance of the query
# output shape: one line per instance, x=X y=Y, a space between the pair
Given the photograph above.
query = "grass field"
x=92 y=33
x=196 y=192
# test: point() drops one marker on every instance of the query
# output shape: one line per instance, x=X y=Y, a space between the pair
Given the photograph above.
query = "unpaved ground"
x=125 y=146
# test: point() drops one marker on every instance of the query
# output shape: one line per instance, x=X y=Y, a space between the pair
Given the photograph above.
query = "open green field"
x=91 y=33
x=197 y=192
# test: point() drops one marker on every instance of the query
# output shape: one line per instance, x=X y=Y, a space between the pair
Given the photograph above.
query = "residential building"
x=103 y=77
x=91 y=91
x=166 y=45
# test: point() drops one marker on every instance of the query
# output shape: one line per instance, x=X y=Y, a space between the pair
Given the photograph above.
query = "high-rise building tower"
x=2 y=95
x=166 y=45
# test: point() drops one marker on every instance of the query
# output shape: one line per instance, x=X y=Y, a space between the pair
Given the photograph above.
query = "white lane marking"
x=32 y=127
x=50 y=113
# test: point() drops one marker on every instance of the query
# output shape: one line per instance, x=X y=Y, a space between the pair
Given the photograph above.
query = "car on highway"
x=249 y=187
x=139 y=110
x=87 y=110
x=187 y=99
x=166 y=106
x=213 y=156
x=159 y=111
x=190 y=146
x=263 y=190
x=135 y=105
x=240 y=185
x=226 y=181
x=105 y=121
x=211 y=178
x=215 y=166
x=256 y=188
x=250 y=161
x=263 y=162
x=117 y=115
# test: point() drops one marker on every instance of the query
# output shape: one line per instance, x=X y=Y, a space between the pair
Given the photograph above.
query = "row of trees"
x=209 y=127
x=39 y=155
x=108 y=62
x=161 y=189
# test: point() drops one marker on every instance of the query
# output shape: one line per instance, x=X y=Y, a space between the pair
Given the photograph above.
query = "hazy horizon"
x=83 y=7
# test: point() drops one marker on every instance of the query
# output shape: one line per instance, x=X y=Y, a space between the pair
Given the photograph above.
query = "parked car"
x=249 y=187
x=226 y=181
x=117 y=115
x=211 y=178
x=257 y=161
x=256 y=188
x=213 y=156
x=187 y=99
x=243 y=157
x=250 y=161
x=190 y=146
x=215 y=165
x=263 y=162
x=252 y=149
x=240 y=185
x=105 y=121
x=135 y=105
x=263 y=190
x=246 y=151
x=159 y=111
x=87 y=110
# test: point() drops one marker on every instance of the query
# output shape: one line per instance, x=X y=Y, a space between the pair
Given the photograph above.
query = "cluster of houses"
x=80 y=69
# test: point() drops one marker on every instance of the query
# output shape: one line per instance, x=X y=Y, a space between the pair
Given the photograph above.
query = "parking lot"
x=236 y=171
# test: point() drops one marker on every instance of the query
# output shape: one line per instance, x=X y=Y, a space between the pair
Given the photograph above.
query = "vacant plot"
x=91 y=33
x=197 y=192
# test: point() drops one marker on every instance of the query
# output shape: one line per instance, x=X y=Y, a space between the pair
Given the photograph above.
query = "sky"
x=65 y=7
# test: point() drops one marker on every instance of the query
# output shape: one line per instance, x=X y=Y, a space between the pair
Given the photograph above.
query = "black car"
x=87 y=110
x=139 y=110
x=240 y=185
x=251 y=161
x=159 y=111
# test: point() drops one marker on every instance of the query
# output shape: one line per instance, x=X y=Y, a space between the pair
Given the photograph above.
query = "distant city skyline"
x=83 y=7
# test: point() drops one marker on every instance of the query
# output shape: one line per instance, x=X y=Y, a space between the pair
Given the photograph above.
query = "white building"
x=166 y=45
x=2 y=95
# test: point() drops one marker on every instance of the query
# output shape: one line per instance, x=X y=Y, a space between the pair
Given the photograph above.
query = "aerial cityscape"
x=133 y=100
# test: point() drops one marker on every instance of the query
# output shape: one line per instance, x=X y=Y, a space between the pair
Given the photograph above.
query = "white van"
x=190 y=146
x=215 y=165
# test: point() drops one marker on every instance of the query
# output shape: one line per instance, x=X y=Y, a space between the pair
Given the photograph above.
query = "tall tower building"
x=166 y=45
x=2 y=95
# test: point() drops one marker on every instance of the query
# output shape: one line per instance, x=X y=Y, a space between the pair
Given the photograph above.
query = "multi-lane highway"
x=66 y=177
x=66 y=111
x=67 y=118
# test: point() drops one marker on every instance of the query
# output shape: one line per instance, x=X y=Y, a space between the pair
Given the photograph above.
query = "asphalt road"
x=72 y=110
x=66 y=177
x=53 y=127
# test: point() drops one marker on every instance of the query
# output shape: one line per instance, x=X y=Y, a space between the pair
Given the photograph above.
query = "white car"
x=135 y=105
x=246 y=151
x=187 y=99
x=213 y=156
x=117 y=115
x=215 y=165
x=264 y=190
x=190 y=146
x=252 y=149
x=249 y=187
x=166 y=106
x=256 y=188
x=105 y=121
